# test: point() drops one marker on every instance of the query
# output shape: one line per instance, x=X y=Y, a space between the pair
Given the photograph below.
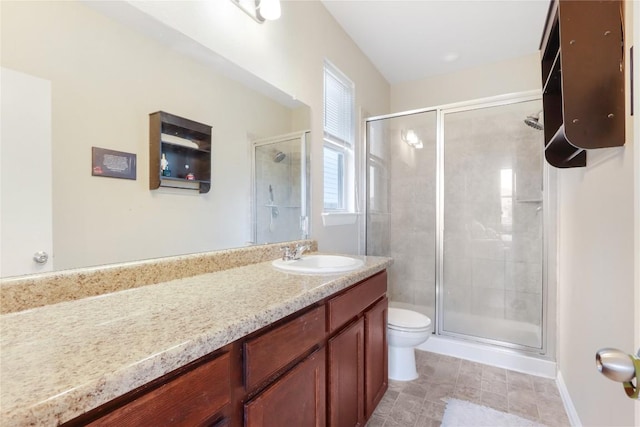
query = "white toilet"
x=406 y=330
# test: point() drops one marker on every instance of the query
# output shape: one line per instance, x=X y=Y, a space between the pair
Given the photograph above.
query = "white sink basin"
x=319 y=264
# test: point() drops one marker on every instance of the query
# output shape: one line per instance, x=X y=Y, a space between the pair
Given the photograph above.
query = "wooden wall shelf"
x=583 y=77
x=188 y=153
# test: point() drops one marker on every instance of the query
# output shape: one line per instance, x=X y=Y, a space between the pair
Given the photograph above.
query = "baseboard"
x=574 y=419
x=489 y=355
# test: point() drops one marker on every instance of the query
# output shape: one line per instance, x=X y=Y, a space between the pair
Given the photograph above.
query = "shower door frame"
x=441 y=112
x=305 y=220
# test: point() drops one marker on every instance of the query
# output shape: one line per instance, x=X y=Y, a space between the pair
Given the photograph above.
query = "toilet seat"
x=406 y=320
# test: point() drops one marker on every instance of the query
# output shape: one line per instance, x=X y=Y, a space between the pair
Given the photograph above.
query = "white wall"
x=509 y=76
x=287 y=53
x=596 y=275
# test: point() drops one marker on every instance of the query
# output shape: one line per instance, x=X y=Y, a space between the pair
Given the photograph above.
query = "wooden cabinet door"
x=376 y=378
x=346 y=377
x=297 y=399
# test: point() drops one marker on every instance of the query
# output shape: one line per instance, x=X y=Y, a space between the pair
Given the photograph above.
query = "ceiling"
x=411 y=40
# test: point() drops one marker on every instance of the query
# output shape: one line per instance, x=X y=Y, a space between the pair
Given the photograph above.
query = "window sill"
x=330 y=219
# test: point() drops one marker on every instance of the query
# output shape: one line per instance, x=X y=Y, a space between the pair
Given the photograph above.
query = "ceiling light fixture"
x=411 y=138
x=260 y=10
x=269 y=9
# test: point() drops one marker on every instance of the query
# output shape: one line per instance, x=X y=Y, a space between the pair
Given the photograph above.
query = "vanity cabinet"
x=324 y=365
x=185 y=397
x=583 y=79
x=179 y=153
x=357 y=354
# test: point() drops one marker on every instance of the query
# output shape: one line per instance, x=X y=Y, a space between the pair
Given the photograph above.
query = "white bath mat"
x=460 y=413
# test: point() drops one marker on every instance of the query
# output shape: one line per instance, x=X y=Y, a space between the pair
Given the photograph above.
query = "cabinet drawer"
x=345 y=307
x=189 y=400
x=268 y=353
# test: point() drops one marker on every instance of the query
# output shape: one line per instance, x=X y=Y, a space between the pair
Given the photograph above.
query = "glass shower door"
x=401 y=206
x=280 y=188
x=492 y=285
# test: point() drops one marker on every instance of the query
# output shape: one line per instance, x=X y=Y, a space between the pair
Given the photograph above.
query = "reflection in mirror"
x=105 y=79
x=280 y=188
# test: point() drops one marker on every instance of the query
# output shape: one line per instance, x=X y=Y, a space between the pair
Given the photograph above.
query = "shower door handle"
x=620 y=367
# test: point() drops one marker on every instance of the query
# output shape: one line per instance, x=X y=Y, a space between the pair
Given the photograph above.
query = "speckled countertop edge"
x=62 y=360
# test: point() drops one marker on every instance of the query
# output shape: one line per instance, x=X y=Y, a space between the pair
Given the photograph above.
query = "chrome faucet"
x=289 y=254
x=299 y=250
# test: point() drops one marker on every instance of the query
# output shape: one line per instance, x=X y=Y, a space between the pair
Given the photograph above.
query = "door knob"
x=620 y=367
x=41 y=257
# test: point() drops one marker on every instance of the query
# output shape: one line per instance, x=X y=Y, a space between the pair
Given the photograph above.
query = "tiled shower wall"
x=493 y=222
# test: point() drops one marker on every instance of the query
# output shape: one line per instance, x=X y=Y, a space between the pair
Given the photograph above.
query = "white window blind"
x=338 y=136
x=338 y=107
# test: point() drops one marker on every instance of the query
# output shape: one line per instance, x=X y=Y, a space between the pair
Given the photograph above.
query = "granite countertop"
x=61 y=360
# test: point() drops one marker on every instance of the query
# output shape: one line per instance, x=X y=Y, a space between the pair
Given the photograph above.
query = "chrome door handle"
x=620 y=367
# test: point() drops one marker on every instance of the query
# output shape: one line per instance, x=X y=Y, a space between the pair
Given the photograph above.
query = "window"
x=338 y=139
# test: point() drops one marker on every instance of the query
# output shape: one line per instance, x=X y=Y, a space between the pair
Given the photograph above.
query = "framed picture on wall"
x=113 y=164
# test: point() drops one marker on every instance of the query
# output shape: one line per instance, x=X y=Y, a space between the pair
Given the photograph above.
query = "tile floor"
x=422 y=402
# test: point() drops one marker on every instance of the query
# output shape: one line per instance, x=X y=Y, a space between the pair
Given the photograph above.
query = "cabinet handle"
x=41 y=257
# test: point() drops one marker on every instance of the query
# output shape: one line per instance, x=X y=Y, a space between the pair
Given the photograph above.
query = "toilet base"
x=402 y=363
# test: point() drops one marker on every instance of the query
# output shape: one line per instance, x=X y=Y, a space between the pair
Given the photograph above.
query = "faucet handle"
x=287 y=255
x=300 y=249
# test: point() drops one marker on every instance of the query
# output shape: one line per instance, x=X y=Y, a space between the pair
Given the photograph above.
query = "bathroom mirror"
x=105 y=79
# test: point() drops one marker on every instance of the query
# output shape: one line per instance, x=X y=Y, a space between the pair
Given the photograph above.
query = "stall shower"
x=280 y=188
x=455 y=197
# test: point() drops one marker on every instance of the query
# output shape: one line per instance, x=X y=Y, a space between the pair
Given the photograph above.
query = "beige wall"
x=510 y=76
x=287 y=53
x=596 y=276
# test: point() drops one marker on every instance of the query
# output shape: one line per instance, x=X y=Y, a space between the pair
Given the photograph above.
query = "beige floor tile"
x=494 y=400
x=422 y=402
x=402 y=417
x=491 y=373
x=433 y=410
x=523 y=403
x=470 y=394
x=519 y=381
x=427 y=422
x=497 y=387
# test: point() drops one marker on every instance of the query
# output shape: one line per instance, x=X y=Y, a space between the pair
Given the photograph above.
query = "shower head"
x=279 y=156
x=534 y=121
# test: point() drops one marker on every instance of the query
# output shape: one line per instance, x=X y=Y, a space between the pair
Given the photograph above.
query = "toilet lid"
x=407 y=319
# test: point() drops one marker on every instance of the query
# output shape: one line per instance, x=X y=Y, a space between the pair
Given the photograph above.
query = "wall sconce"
x=260 y=10
x=411 y=138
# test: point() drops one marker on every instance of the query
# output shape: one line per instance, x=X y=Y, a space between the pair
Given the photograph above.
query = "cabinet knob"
x=41 y=257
